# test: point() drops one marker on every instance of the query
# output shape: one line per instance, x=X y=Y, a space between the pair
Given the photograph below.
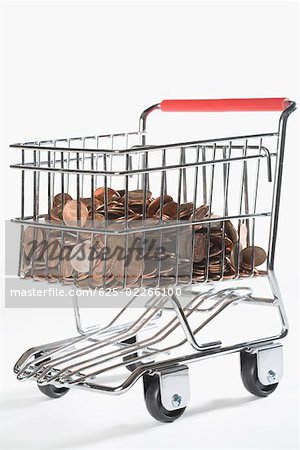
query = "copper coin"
x=80 y=257
x=52 y=252
x=170 y=210
x=133 y=270
x=200 y=214
x=231 y=231
x=255 y=254
x=138 y=195
x=56 y=214
x=70 y=214
x=155 y=204
x=100 y=194
x=60 y=199
x=185 y=210
x=200 y=247
x=66 y=268
x=101 y=271
x=121 y=192
x=33 y=239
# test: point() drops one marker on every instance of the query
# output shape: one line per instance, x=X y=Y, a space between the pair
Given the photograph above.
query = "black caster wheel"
x=250 y=377
x=53 y=391
x=49 y=389
x=153 y=401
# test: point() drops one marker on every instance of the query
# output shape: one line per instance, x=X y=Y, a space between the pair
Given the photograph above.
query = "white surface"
x=75 y=68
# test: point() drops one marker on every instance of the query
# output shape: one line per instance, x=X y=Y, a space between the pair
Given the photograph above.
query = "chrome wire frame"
x=97 y=350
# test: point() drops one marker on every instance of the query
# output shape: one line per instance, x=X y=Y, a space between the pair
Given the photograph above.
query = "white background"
x=75 y=68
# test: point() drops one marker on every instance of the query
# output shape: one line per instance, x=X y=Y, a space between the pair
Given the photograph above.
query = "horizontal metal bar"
x=79 y=138
x=67 y=160
x=187 y=223
x=38 y=147
x=138 y=171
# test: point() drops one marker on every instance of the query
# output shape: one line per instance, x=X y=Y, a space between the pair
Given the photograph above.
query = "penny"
x=52 y=252
x=101 y=271
x=231 y=231
x=132 y=271
x=135 y=253
x=155 y=204
x=138 y=195
x=185 y=210
x=121 y=192
x=56 y=214
x=79 y=258
x=200 y=247
x=66 y=268
x=100 y=194
x=255 y=254
x=70 y=214
x=60 y=199
x=170 y=210
x=33 y=240
x=200 y=214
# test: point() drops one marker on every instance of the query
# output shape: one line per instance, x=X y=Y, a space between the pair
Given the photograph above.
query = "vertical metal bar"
x=49 y=186
x=83 y=165
x=196 y=173
x=92 y=191
x=38 y=184
x=105 y=218
x=240 y=208
x=34 y=188
x=246 y=200
x=277 y=184
x=62 y=234
x=184 y=180
x=204 y=181
x=23 y=187
x=256 y=183
x=97 y=159
x=49 y=216
x=126 y=259
x=35 y=215
x=91 y=219
x=143 y=238
x=226 y=173
x=210 y=211
x=180 y=176
x=21 y=254
x=68 y=165
x=78 y=189
x=111 y=159
x=53 y=173
x=162 y=190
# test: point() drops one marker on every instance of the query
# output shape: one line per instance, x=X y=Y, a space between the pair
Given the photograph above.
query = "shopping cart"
x=203 y=218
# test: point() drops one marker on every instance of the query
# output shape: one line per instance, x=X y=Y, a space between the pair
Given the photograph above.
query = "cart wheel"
x=49 y=389
x=250 y=377
x=153 y=401
x=52 y=391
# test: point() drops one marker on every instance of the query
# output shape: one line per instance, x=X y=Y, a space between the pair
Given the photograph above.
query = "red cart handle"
x=231 y=104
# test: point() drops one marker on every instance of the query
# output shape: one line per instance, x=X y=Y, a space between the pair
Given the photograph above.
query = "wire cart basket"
x=181 y=234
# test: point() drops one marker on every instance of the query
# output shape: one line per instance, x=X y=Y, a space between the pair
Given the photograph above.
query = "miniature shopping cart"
x=199 y=221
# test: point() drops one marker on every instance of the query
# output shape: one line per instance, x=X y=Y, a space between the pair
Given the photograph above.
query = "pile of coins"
x=161 y=256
